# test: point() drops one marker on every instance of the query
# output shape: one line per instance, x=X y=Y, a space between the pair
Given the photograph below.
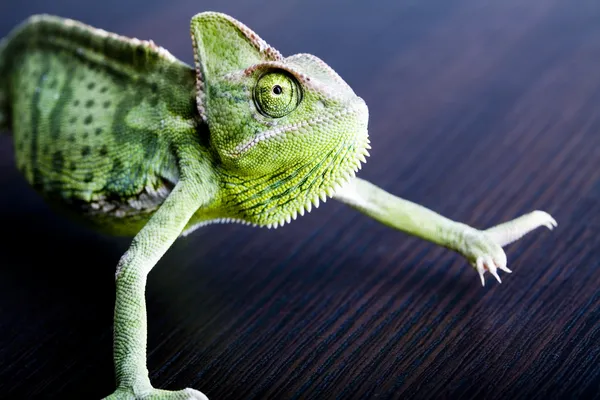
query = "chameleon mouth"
x=289 y=129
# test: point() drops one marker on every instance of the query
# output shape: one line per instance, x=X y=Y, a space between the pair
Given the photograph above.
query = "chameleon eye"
x=277 y=94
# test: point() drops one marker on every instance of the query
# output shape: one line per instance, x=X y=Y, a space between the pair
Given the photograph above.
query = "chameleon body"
x=124 y=136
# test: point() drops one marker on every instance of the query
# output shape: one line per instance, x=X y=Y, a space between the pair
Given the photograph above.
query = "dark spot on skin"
x=73 y=166
x=20 y=145
x=85 y=151
x=103 y=89
x=150 y=148
x=89 y=103
x=58 y=161
x=52 y=84
x=46 y=149
x=154 y=88
x=117 y=165
x=153 y=98
x=73 y=120
x=85 y=135
x=88 y=120
x=98 y=131
x=76 y=103
x=91 y=85
x=72 y=138
x=106 y=104
x=103 y=151
x=88 y=177
x=168 y=184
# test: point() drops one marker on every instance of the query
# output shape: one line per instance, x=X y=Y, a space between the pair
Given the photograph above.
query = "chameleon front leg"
x=483 y=249
x=130 y=325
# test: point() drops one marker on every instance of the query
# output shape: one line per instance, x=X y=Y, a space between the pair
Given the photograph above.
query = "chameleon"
x=123 y=136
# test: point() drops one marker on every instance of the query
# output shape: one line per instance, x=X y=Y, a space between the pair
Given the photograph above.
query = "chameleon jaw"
x=321 y=197
x=315 y=201
x=352 y=165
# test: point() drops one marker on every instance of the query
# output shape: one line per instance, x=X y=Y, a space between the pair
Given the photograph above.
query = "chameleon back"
x=84 y=116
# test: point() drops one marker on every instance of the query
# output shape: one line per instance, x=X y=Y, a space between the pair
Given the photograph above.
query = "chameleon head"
x=288 y=131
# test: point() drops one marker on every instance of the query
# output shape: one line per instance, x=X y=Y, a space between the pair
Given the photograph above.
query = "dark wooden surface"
x=481 y=110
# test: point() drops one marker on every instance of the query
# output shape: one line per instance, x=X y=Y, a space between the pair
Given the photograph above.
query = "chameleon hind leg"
x=130 y=322
x=482 y=248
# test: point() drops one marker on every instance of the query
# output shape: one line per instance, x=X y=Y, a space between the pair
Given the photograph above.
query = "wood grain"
x=480 y=110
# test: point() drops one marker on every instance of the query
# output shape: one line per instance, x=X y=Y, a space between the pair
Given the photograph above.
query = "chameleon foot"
x=484 y=254
x=484 y=251
x=158 y=394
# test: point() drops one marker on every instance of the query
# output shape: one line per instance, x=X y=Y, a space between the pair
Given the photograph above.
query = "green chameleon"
x=120 y=134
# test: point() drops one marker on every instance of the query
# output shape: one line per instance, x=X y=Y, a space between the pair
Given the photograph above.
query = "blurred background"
x=480 y=110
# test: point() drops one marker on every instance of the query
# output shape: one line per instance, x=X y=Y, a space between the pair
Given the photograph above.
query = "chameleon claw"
x=504 y=268
x=486 y=263
x=491 y=266
x=551 y=223
x=481 y=270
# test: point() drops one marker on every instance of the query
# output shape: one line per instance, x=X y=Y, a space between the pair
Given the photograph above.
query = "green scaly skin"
x=122 y=135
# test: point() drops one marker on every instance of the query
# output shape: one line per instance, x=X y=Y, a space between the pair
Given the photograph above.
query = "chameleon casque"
x=119 y=133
